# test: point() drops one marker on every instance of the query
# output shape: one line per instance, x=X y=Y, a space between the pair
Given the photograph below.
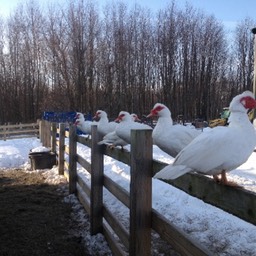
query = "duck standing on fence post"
x=104 y=126
x=168 y=137
x=221 y=149
x=112 y=139
x=126 y=124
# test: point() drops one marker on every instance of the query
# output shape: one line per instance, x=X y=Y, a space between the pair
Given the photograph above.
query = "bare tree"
x=78 y=57
x=244 y=54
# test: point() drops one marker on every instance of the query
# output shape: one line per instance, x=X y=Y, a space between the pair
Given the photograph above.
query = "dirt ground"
x=34 y=220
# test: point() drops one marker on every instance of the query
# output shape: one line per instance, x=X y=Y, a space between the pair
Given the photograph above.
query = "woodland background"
x=81 y=57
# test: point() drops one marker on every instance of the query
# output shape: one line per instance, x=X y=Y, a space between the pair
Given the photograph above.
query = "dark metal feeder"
x=42 y=160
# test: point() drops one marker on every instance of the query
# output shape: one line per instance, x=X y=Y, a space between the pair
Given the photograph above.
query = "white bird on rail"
x=221 y=149
x=168 y=137
x=104 y=126
x=80 y=116
x=84 y=126
x=126 y=124
x=112 y=139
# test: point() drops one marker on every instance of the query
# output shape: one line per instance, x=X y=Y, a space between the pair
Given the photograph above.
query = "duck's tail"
x=105 y=141
x=171 y=172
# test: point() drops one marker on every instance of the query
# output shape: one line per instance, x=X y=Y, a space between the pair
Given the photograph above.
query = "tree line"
x=84 y=57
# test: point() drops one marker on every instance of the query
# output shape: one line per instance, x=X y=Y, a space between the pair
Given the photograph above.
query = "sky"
x=227 y=11
x=222 y=233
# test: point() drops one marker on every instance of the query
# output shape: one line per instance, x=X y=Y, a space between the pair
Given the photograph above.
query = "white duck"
x=135 y=117
x=123 y=130
x=168 y=137
x=85 y=126
x=113 y=140
x=104 y=126
x=79 y=116
x=220 y=150
x=82 y=124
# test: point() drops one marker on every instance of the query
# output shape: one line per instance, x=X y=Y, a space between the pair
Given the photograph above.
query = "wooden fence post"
x=53 y=137
x=44 y=132
x=96 y=196
x=48 y=135
x=61 y=152
x=41 y=130
x=72 y=159
x=140 y=193
x=5 y=130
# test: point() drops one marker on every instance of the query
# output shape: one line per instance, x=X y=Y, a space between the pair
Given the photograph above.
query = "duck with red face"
x=220 y=150
x=168 y=137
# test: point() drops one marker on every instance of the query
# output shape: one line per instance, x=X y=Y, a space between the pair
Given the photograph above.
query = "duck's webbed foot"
x=223 y=180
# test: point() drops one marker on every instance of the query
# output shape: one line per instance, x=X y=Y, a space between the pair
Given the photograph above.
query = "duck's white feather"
x=168 y=137
x=221 y=148
x=123 y=130
x=104 y=126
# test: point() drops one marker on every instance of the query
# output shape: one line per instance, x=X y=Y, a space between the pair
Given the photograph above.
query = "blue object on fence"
x=89 y=116
x=59 y=117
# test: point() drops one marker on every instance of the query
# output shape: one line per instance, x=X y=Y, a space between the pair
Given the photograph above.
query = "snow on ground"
x=221 y=232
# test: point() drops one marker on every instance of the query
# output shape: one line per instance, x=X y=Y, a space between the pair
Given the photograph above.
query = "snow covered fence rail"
x=12 y=131
x=235 y=200
x=137 y=240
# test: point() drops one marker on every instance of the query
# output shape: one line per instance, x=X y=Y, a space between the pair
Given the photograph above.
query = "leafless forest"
x=85 y=57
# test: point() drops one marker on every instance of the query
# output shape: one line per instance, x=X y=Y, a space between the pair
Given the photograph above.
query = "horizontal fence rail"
x=142 y=217
x=13 y=131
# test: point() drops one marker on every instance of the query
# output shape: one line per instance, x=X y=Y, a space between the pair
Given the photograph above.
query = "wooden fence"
x=143 y=218
x=13 y=131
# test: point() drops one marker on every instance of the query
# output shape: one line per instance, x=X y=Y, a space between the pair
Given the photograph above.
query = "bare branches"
x=81 y=57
